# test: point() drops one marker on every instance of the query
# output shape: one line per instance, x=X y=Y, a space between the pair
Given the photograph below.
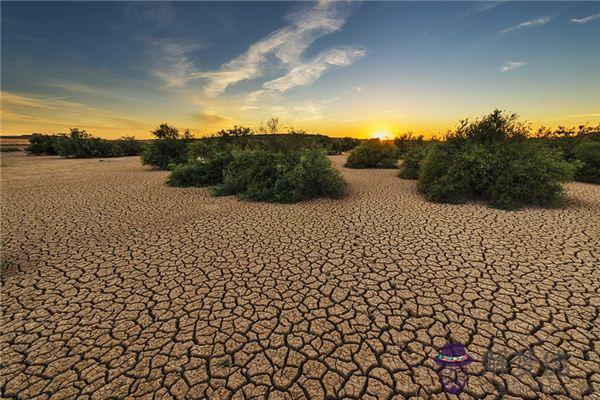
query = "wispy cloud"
x=527 y=24
x=306 y=73
x=285 y=48
x=157 y=13
x=510 y=65
x=479 y=8
x=396 y=110
x=585 y=20
x=177 y=66
x=24 y=113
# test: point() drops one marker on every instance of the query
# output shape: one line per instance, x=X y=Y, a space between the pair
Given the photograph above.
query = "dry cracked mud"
x=116 y=286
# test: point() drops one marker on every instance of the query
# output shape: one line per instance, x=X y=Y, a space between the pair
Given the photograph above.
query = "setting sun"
x=382 y=135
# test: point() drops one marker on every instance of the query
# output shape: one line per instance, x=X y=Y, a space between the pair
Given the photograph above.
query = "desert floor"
x=117 y=286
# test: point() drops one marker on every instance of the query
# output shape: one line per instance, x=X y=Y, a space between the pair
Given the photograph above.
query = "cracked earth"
x=116 y=286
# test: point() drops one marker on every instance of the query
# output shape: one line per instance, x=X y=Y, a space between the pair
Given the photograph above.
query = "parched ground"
x=116 y=286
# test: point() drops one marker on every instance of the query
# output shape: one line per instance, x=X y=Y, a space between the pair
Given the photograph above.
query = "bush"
x=491 y=159
x=406 y=143
x=80 y=144
x=40 y=144
x=454 y=174
x=282 y=177
x=373 y=154
x=412 y=161
x=169 y=148
x=200 y=173
x=129 y=146
x=337 y=146
x=587 y=152
x=528 y=173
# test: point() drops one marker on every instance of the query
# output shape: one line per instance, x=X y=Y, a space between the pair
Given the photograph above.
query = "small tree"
x=169 y=148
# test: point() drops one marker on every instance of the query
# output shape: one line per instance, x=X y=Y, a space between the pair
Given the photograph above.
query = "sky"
x=336 y=68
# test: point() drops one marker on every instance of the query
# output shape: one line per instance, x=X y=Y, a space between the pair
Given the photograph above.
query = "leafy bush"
x=201 y=173
x=169 y=148
x=40 y=144
x=412 y=161
x=373 y=154
x=587 y=152
x=337 y=146
x=80 y=144
x=282 y=177
x=491 y=159
x=452 y=173
x=528 y=173
x=129 y=146
x=406 y=143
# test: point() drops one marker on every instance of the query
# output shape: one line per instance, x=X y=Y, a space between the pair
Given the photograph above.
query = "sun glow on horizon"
x=381 y=135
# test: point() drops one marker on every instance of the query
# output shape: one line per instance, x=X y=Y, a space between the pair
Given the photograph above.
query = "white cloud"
x=285 y=48
x=510 y=65
x=480 y=7
x=396 y=110
x=306 y=73
x=527 y=24
x=177 y=66
x=585 y=20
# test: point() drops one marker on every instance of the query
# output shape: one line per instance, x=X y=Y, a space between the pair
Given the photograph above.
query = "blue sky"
x=340 y=68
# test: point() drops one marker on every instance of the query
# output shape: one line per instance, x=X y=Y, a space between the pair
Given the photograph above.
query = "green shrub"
x=200 y=173
x=587 y=152
x=40 y=144
x=492 y=160
x=129 y=146
x=528 y=173
x=80 y=144
x=169 y=147
x=454 y=174
x=337 y=146
x=412 y=161
x=373 y=154
x=261 y=175
x=406 y=143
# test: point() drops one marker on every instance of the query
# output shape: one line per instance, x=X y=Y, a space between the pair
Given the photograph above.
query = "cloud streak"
x=510 y=65
x=527 y=24
x=284 y=49
x=585 y=20
x=178 y=67
x=306 y=73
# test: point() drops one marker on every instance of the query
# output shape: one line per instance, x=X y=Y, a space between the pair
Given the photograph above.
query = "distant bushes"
x=40 y=144
x=373 y=154
x=581 y=145
x=128 y=146
x=168 y=148
x=80 y=144
x=492 y=160
x=261 y=175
